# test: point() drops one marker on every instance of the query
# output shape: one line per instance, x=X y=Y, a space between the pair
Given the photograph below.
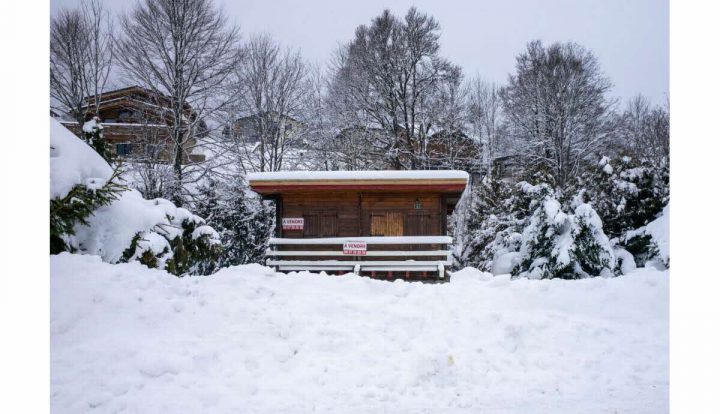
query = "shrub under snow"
x=501 y=227
x=568 y=246
x=652 y=241
x=93 y=213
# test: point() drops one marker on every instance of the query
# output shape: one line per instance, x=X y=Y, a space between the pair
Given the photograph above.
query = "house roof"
x=131 y=94
x=266 y=183
x=255 y=116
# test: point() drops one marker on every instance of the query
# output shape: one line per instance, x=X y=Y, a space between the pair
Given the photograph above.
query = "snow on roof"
x=451 y=175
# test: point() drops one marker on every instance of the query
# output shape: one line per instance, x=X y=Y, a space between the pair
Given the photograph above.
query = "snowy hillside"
x=128 y=338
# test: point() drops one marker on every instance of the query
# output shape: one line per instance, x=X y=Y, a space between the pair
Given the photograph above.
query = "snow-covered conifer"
x=242 y=220
x=93 y=135
x=556 y=244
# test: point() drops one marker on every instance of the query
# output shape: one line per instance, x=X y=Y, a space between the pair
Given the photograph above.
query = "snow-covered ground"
x=246 y=340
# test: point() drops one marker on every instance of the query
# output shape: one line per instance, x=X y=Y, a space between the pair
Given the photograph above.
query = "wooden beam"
x=369 y=240
x=378 y=253
x=365 y=264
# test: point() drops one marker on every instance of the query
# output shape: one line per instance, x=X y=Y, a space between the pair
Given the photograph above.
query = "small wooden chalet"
x=389 y=224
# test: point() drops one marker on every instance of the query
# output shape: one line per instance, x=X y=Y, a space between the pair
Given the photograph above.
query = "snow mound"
x=128 y=338
x=73 y=162
x=659 y=230
x=470 y=274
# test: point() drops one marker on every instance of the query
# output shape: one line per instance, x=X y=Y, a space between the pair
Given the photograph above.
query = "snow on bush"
x=126 y=338
x=72 y=162
x=626 y=193
x=651 y=241
x=104 y=218
x=568 y=246
x=495 y=219
x=244 y=222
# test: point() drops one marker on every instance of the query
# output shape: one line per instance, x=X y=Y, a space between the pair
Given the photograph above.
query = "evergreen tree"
x=496 y=214
x=242 y=220
x=77 y=206
x=626 y=193
x=92 y=133
x=182 y=245
x=560 y=245
x=592 y=252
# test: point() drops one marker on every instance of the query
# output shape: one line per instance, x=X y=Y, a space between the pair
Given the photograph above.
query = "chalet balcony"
x=140 y=142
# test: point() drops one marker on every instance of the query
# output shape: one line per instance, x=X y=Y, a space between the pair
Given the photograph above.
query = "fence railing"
x=362 y=254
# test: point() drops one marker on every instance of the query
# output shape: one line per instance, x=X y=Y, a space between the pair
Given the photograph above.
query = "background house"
x=252 y=129
x=135 y=124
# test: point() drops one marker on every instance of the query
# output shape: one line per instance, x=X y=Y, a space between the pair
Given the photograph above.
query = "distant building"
x=135 y=124
x=248 y=129
x=453 y=150
x=508 y=168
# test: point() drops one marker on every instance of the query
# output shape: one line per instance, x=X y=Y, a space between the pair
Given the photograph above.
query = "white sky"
x=630 y=37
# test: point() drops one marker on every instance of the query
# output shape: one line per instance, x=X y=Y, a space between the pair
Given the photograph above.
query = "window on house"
x=329 y=225
x=320 y=225
x=123 y=149
x=311 y=227
x=125 y=115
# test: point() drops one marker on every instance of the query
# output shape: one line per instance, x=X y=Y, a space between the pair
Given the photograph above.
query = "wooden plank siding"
x=347 y=214
x=326 y=215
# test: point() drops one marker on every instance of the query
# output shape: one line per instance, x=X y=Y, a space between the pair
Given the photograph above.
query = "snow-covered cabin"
x=378 y=223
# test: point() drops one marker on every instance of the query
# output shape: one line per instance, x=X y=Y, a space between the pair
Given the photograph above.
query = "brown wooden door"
x=387 y=223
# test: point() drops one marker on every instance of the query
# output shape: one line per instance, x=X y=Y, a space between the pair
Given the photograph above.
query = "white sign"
x=293 y=223
x=355 y=248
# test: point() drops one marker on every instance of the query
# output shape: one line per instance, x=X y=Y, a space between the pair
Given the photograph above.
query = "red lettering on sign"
x=355 y=248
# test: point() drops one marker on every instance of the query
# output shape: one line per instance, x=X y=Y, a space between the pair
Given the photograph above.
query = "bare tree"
x=385 y=79
x=449 y=146
x=556 y=108
x=100 y=48
x=81 y=57
x=644 y=131
x=273 y=90
x=484 y=111
x=185 y=51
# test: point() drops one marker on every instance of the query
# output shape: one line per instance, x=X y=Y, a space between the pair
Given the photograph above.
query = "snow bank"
x=659 y=230
x=128 y=338
x=73 y=162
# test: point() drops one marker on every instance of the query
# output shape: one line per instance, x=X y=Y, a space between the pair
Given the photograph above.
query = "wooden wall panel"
x=347 y=214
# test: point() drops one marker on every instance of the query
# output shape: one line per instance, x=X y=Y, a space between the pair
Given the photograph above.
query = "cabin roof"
x=452 y=181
